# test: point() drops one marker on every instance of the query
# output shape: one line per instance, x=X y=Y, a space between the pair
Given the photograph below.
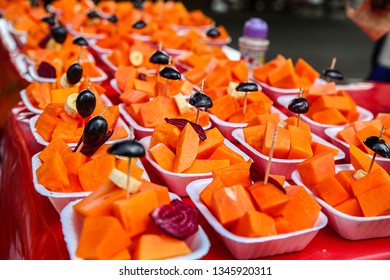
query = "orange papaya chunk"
x=254 y=224
x=316 y=168
x=101 y=238
x=186 y=148
x=158 y=246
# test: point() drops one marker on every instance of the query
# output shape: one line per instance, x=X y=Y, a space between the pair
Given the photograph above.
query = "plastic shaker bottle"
x=253 y=45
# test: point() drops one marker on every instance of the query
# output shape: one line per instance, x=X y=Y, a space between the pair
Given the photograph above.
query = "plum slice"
x=177 y=219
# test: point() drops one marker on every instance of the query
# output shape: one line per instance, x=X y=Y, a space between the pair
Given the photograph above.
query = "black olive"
x=49 y=20
x=139 y=24
x=170 y=73
x=95 y=130
x=378 y=145
x=113 y=18
x=127 y=148
x=247 y=87
x=93 y=14
x=201 y=100
x=59 y=33
x=299 y=105
x=85 y=103
x=138 y=4
x=333 y=74
x=159 y=57
x=213 y=32
x=80 y=41
x=74 y=73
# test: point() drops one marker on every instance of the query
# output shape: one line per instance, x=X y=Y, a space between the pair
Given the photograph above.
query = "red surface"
x=31 y=227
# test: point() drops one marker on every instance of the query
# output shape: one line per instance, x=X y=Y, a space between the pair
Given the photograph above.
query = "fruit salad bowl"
x=254 y=247
x=279 y=166
x=60 y=199
x=319 y=128
x=100 y=77
x=348 y=226
x=227 y=128
x=177 y=182
x=72 y=223
x=332 y=134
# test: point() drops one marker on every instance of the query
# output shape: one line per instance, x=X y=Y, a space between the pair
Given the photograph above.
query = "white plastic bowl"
x=177 y=182
x=72 y=223
x=141 y=131
x=332 y=132
x=279 y=166
x=347 y=226
x=43 y=142
x=33 y=72
x=252 y=248
x=227 y=128
x=274 y=93
x=106 y=60
x=61 y=199
x=319 y=128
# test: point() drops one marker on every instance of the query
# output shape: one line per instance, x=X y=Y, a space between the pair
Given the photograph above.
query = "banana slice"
x=231 y=90
x=136 y=58
x=359 y=174
x=70 y=105
x=119 y=178
x=181 y=103
x=53 y=45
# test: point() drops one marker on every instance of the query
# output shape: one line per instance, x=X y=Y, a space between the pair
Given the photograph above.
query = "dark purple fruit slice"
x=180 y=123
x=177 y=219
x=257 y=175
x=46 y=70
x=88 y=149
x=43 y=42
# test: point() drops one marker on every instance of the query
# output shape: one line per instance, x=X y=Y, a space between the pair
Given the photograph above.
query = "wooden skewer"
x=332 y=65
x=374 y=156
x=271 y=153
x=128 y=177
x=299 y=115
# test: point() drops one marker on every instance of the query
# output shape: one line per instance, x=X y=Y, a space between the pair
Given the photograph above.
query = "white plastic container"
x=72 y=222
x=256 y=247
x=347 y=226
x=177 y=182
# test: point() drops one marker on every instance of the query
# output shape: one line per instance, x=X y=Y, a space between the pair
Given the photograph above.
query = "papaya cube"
x=330 y=190
x=158 y=246
x=230 y=203
x=375 y=202
x=268 y=198
x=207 y=193
x=237 y=174
x=133 y=212
x=208 y=146
x=53 y=174
x=316 y=168
x=254 y=224
x=371 y=180
x=300 y=144
x=302 y=210
x=101 y=238
x=350 y=207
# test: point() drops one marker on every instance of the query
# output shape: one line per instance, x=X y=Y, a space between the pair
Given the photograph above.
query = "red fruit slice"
x=46 y=70
x=176 y=219
x=180 y=123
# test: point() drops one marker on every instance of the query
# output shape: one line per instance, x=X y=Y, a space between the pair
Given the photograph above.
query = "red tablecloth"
x=31 y=227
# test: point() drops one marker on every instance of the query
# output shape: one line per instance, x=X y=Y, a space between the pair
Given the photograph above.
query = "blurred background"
x=316 y=30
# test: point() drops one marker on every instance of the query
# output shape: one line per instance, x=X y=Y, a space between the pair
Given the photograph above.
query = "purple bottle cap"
x=256 y=28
